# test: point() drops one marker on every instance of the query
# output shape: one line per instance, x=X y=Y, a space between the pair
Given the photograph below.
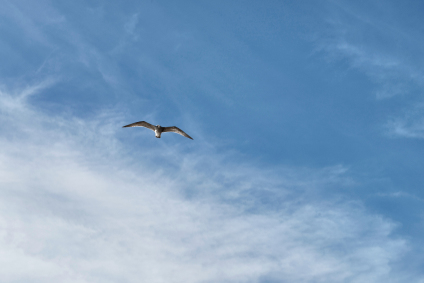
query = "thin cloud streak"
x=407 y=129
x=386 y=52
x=78 y=207
x=409 y=125
x=351 y=35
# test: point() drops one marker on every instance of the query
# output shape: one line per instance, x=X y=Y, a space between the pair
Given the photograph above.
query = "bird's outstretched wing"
x=176 y=130
x=141 y=124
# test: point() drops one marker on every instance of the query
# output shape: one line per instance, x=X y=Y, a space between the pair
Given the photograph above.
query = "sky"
x=307 y=159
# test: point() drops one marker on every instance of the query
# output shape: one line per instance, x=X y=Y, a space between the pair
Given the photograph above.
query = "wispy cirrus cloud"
x=388 y=53
x=408 y=125
x=79 y=205
x=377 y=40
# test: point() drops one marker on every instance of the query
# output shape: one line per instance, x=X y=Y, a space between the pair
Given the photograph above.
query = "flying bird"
x=158 y=129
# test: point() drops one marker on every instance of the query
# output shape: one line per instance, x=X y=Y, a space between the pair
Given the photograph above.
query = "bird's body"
x=158 y=129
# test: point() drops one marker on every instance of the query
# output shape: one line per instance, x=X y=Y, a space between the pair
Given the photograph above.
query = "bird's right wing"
x=176 y=130
x=141 y=124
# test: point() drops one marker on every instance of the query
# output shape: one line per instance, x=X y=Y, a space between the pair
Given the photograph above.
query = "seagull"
x=158 y=129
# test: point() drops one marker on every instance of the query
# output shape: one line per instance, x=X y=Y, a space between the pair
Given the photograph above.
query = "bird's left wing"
x=141 y=124
x=176 y=130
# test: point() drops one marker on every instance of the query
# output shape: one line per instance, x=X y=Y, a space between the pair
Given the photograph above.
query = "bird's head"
x=158 y=126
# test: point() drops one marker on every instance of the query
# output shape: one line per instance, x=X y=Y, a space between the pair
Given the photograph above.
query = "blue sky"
x=306 y=163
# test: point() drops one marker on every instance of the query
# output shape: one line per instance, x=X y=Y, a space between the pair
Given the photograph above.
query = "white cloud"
x=382 y=49
x=387 y=52
x=408 y=129
x=78 y=206
x=391 y=75
x=409 y=125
